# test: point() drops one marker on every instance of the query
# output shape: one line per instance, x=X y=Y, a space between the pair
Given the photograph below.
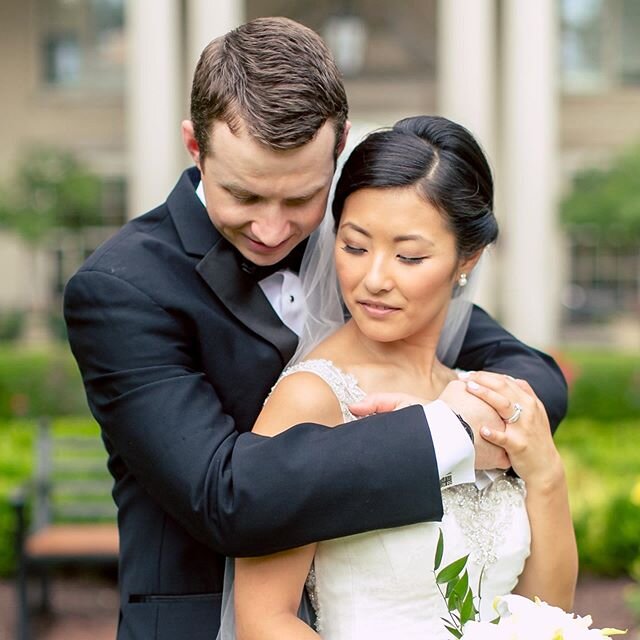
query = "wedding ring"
x=517 y=410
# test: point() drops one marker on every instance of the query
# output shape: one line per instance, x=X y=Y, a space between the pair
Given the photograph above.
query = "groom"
x=183 y=321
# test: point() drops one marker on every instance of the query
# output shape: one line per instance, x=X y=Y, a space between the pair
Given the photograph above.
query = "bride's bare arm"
x=267 y=590
x=267 y=594
x=552 y=568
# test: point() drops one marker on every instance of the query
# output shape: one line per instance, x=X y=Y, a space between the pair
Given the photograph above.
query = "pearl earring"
x=462 y=280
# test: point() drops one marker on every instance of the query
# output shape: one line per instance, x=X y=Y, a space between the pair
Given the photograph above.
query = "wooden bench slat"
x=74 y=541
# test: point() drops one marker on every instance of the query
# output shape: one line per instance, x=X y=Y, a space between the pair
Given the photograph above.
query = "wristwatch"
x=467 y=427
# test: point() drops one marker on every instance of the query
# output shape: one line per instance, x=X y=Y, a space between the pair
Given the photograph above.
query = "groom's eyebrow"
x=237 y=190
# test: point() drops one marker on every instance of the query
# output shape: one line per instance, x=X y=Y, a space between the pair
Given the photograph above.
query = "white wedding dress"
x=381 y=584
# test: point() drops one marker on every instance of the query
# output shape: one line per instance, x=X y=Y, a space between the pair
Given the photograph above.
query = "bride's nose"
x=378 y=277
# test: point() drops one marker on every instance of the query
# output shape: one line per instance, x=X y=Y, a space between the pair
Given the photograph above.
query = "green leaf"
x=454 y=601
x=467 y=610
x=456 y=633
x=462 y=585
x=439 y=552
x=452 y=570
x=451 y=585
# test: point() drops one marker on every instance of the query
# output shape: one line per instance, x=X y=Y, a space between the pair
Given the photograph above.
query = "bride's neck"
x=416 y=354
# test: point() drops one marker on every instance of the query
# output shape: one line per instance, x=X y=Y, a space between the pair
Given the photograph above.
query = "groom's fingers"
x=382 y=403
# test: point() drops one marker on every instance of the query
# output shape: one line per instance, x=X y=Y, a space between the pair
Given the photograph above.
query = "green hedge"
x=602 y=385
x=44 y=382
x=603 y=469
x=17 y=438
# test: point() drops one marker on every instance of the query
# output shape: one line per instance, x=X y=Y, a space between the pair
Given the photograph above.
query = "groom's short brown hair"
x=275 y=76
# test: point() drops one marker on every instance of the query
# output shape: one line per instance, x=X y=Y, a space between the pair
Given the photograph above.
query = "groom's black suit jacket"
x=178 y=348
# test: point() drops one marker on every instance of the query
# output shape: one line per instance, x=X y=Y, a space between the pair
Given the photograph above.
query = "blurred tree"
x=607 y=201
x=51 y=190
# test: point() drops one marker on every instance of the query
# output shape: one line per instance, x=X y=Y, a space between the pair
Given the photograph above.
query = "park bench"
x=65 y=514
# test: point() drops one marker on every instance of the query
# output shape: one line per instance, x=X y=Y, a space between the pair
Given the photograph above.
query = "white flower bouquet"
x=522 y=619
x=518 y=618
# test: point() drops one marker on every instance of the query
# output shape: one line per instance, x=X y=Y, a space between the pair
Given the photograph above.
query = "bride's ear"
x=467 y=265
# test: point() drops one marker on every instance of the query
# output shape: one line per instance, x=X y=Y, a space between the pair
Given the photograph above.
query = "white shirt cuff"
x=486 y=477
x=455 y=453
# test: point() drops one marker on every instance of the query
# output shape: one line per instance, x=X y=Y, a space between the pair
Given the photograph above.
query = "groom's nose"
x=271 y=228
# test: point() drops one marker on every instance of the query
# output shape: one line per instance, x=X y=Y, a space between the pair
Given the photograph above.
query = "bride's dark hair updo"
x=444 y=163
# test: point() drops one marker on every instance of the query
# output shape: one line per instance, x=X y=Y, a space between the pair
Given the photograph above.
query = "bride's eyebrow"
x=416 y=237
x=355 y=227
x=413 y=236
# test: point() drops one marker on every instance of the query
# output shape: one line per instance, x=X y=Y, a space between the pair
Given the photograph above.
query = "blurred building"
x=548 y=87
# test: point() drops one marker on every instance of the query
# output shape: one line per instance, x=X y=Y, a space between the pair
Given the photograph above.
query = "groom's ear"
x=190 y=142
x=342 y=143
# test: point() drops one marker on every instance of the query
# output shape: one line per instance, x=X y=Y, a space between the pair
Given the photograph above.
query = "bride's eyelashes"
x=357 y=251
x=408 y=260
x=347 y=248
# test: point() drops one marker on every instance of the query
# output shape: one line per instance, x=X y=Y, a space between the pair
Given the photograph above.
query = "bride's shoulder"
x=300 y=395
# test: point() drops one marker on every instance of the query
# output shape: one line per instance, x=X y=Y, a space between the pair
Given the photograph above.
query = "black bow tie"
x=291 y=262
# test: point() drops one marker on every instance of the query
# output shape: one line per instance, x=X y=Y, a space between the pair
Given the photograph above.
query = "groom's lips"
x=264 y=249
x=377 y=309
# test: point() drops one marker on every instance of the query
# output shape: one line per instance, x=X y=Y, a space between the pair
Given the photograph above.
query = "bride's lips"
x=377 y=309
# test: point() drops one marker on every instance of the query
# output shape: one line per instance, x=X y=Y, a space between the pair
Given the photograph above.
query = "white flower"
x=524 y=619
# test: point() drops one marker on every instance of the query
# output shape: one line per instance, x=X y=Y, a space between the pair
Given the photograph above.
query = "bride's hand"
x=528 y=439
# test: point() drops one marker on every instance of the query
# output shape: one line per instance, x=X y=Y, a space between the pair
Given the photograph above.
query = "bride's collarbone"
x=378 y=378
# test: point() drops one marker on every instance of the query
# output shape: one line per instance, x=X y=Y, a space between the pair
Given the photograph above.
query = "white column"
x=467 y=87
x=153 y=97
x=529 y=171
x=208 y=19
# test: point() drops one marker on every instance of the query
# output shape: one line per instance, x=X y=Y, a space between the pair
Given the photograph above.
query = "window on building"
x=370 y=40
x=600 y=48
x=605 y=279
x=81 y=44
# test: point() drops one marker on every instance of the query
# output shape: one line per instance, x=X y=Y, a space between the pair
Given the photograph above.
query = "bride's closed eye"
x=410 y=260
x=347 y=248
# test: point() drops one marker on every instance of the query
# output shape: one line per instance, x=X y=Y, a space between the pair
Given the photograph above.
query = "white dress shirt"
x=454 y=450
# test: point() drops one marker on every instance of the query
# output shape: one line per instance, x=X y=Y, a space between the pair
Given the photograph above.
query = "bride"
x=413 y=211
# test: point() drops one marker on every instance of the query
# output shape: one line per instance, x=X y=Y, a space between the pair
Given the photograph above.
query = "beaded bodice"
x=380 y=584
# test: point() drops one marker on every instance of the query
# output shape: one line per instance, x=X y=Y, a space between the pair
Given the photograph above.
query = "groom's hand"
x=477 y=415
x=383 y=403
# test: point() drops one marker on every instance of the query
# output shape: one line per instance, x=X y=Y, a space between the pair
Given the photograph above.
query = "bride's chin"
x=377 y=334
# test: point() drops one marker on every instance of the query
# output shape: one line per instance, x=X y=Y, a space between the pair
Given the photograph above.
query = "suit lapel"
x=244 y=298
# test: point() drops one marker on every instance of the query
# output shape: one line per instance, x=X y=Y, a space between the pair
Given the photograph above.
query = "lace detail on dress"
x=310 y=586
x=344 y=385
x=483 y=515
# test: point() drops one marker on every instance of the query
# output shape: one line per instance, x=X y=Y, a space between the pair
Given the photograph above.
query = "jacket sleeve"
x=490 y=347
x=241 y=494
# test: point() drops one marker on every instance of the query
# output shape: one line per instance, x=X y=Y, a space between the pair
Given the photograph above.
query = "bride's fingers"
x=501 y=403
x=504 y=384
x=526 y=387
x=499 y=438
